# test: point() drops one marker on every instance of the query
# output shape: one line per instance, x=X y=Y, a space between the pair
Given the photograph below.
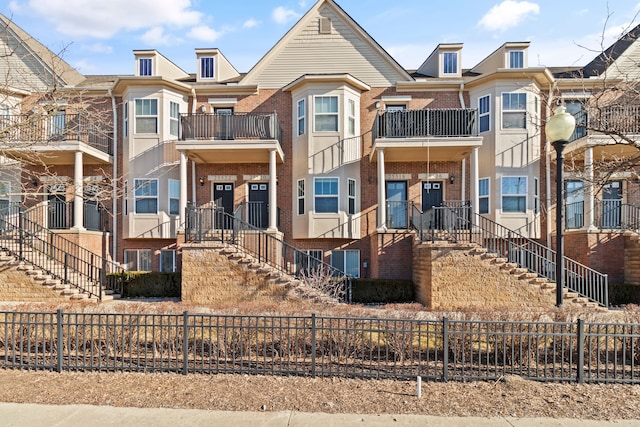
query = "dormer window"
x=516 y=59
x=207 y=67
x=450 y=63
x=145 y=67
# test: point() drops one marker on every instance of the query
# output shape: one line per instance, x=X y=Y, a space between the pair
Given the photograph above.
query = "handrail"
x=521 y=250
x=212 y=223
x=29 y=128
x=229 y=126
x=57 y=256
x=443 y=122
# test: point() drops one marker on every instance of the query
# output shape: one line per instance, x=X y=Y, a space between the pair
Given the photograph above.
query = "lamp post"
x=558 y=129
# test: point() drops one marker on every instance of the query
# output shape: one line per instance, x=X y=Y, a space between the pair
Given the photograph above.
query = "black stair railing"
x=212 y=223
x=57 y=256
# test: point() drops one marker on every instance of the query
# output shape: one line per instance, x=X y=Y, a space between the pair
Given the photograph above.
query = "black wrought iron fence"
x=316 y=346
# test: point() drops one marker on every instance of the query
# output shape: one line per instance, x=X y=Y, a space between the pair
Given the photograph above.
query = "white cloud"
x=99 y=48
x=204 y=33
x=508 y=14
x=156 y=37
x=282 y=15
x=250 y=23
x=15 y=7
x=85 y=66
x=103 y=19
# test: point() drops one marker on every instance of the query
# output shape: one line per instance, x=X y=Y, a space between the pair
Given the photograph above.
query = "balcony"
x=57 y=137
x=609 y=214
x=230 y=138
x=426 y=135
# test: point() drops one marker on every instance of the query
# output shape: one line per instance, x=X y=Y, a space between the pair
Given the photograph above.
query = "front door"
x=432 y=196
x=611 y=204
x=397 y=205
x=223 y=198
x=223 y=123
x=258 y=207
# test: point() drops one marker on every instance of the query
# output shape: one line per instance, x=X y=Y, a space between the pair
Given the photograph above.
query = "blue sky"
x=98 y=36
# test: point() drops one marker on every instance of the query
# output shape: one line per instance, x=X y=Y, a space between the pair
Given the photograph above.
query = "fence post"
x=580 y=351
x=445 y=349
x=20 y=231
x=185 y=343
x=313 y=345
x=59 y=340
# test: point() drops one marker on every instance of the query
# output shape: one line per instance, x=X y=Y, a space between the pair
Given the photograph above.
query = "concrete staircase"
x=52 y=279
x=570 y=299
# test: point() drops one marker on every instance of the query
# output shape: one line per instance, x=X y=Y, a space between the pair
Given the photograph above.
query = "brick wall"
x=392 y=255
x=603 y=252
x=632 y=259
x=446 y=276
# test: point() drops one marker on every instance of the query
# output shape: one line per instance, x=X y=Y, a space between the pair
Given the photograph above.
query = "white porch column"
x=382 y=195
x=473 y=190
x=183 y=187
x=589 y=197
x=273 y=199
x=78 y=194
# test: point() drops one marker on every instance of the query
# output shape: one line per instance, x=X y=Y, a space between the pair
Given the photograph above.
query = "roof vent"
x=325 y=25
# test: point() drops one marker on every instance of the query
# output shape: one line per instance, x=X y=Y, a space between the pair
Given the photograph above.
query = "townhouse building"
x=327 y=144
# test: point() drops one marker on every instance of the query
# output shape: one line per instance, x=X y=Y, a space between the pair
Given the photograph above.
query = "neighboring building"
x=327 y=142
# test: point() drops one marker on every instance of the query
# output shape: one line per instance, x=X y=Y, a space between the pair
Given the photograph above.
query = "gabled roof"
x=361 y=42
x=599 y=65
x=56 y=65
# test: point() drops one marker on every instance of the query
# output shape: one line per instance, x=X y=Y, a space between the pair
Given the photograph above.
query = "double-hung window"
x=301 y=117
x=514 y=110
x=514 y=194
x=146 y=194
x=5 y=190
x=352 y=196
x=326 y=195
x=168 y=260
x=207 y=67
x=146 y=116
x=145 y=66
x=125 y=124
x=174 y=197
x=326 y=114
x=351 y=117
x=450 y=63
x=483 y=195
x=516 y=59
x=484 y=113
x=174 y=118
x=300 y=196
x=137 y=259
x=347 y=261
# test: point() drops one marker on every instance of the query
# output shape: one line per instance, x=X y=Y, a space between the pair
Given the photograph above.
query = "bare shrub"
x=322 y=278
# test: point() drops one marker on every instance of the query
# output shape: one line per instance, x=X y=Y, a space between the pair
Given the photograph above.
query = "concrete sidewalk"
x=14 y=414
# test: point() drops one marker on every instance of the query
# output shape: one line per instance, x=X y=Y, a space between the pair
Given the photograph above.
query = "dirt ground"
x=510 y=396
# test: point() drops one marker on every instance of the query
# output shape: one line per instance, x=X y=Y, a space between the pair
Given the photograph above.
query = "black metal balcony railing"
x=453 y=122
x=609 y=214
x=60 y=215
x=229 y=126
x=38 y=129
x=622 y=119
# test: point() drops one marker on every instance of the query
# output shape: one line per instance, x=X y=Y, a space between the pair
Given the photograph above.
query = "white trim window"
x=514 y=194
x=326 y=195
x=351 y=117
x=347 y=261
x=484 y=113
x=536 y=196
x=174 y=118
x=168 y=260
x=516 y=59
x=450 y=63
x=146 y=195
x=125 y=121
x=483 y=195
x=301 y=196
x=301 y=116
x=352 y=196
x=514 y=110
x=146 y=116
x=174 y=197
x=207 y=67
x=126 y=197
x=137 y=259
x=5 y=190
x=325 y=114
x=145 y=66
